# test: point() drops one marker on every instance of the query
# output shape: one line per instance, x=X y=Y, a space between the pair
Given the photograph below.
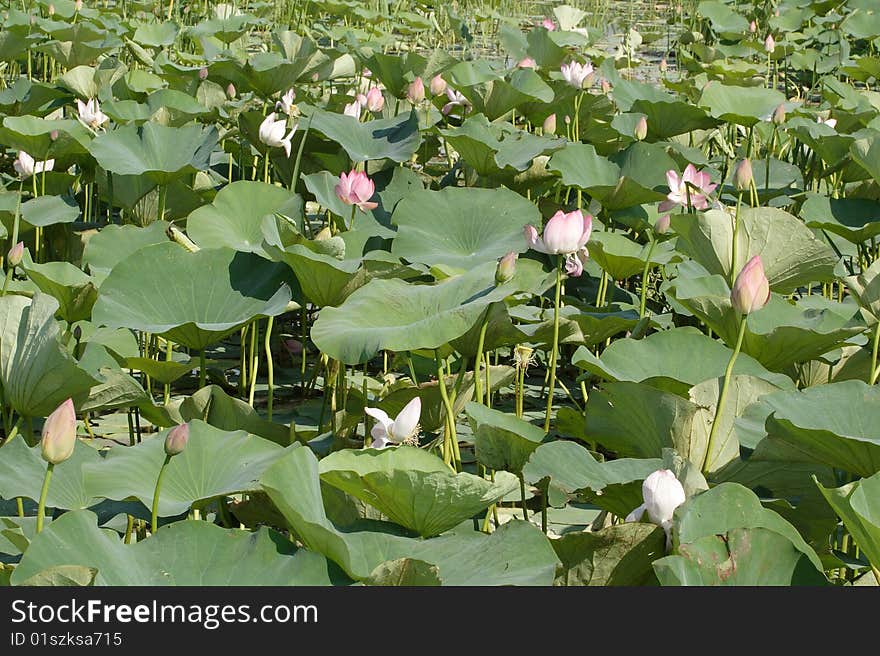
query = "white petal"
x=407 y=420
x=382 y=417
x=636 y=514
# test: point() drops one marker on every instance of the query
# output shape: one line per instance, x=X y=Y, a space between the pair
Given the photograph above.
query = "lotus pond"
x=415 y=293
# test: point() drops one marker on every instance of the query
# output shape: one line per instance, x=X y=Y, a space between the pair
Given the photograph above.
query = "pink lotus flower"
x=26 y=166
x=548 y=24
x=13 y=257
x=769 y=44
x=176 y=440
x=564 y=234
x=456 y=99
x=438 y=85
x=753 y=27
x=375 y=99
x=549 y=126
x=415 y=92
x=661 y=227
x=528 y=62
x=403 y=428
x=693 y=186
x=353 y=109
x=355 y=188
x=751 y=289
x=286 y=102
x=576 y=74
x=59 y=434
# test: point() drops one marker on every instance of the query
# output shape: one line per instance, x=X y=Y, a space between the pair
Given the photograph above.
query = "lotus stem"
x=645 y=272
x=201 y=368
x=552 y=368
x=155 y=515
x=722 y=398
x=875 y=371
x=522 y=494
x=169 y=348
x=478 y=382
x=451 y=442
x=255 y=360
x=19 y=506
x=735 y=230
x=270 y=367
x=299 y=153
x=41 y=506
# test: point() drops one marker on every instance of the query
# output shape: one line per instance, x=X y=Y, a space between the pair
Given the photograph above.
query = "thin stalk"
x=733 y=245
x=201 y=368
x=645 y=271
x=269 y=368
x=41 y=506
x=722 y=398
x=522 y=494
x=478 y=382
x=875 y=371
x=155 y=516
x=451 y=446
x=555 y=347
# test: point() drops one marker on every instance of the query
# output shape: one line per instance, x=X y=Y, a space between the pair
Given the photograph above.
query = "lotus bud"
x=769 y=44
x=506 y=268
x=230 y=90
x=415 y=92
x=53 y=135
x=203 y=73
x=527 y=62
x=662 y=494
x=175 y=441
x=549 y=126
x=375 y=100
x=606 y=86
x=661 y=227
x=751 y=290
x=753 y=27
x=77 y=333
x=78 y=5
x=742 y=175
x=567 y=119
x=59 y=434
x=663 y=65
x=324 y=234
x=438 y=85
x=51 y=10
x=779 y=114
x=15 y=254
x=641 y=129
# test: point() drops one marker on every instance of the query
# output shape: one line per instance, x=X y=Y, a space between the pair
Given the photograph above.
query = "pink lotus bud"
x=15 y=254
x=661 y=227
x=230 y=91
x=415 y=92
x=59 y=434
x=367 y=73
x=78 y=5
x=779 y=114
x=549 y=126
x=548 y=24
x=53 y=135
x=606 y=86
x=506 y=268
x=438 y=85
x=769 y=44
x=375 y=100
x=175 y=441
x=641 y=129
x=663 y=65
x=51 y=10
x=742 y=175
x=355 y=188
x=751 y=290
x=203 y=73
x=528 y=62
x=753 y=27
x=315 y=76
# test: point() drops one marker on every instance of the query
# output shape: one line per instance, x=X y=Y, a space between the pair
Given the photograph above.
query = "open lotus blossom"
x=90 y=113
x=286 y=102
x=548 y=24
x=662 y=494
x=751 y=289
x=404 y=428
x=681 y=194
x=527 y=62
x=26 y=166
x=375 y=99
x=456 y=99
x=565 y=234
x=830 y=122
x=576 y=74
x=355 y=188
x=353 y=109
x=272 y=133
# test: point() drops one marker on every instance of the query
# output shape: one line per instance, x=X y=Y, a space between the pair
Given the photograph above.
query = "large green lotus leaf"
x=395 y=71
x=674 y=360
x=190 y=553
x=33 y=135
x=515 y=554
x=115 y=243
x=569 y=468
x=781 y=333
x=22 y=470
x=865 y=289
x=49 y=210
x=726 y=22
x=621 y=257
x=74 y=290
x=412 y=487
x=866 y=153
x=461 y=227
x=854 y=219
x=398 y=316
x=394 y=138
x=235 y=217
x=37 y=373
x=617 y=555
x=164 y=371
x=194 y=299
x=741 y=105
x=502 y=441
x=741 y=557
x=858 y=505
x=215 y=462
x=792 y=256
x=405 y=572
x=160 y=153
x=155 y=35
x=215 y=407
x=834 y=424
x=324 y=279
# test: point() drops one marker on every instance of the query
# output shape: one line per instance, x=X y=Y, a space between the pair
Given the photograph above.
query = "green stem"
x=201 y=368
x=522 y=494
x=645 y=271
x=169 y=348
x=733 y=245
x=478 y=381
x=270 y=367
x=874 y=350
x=722 y=398
x=555 y=346
x=452 y=436
x=41 y=506
x=155 y=515
x=299 y=154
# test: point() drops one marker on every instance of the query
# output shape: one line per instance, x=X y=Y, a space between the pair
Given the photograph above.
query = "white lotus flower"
x=286 y=102
x=403 y=429
x=26 y=166
x=577 y=74
x=662 y=494
x=272 y=133
x=353 y=109
x=90 y=113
